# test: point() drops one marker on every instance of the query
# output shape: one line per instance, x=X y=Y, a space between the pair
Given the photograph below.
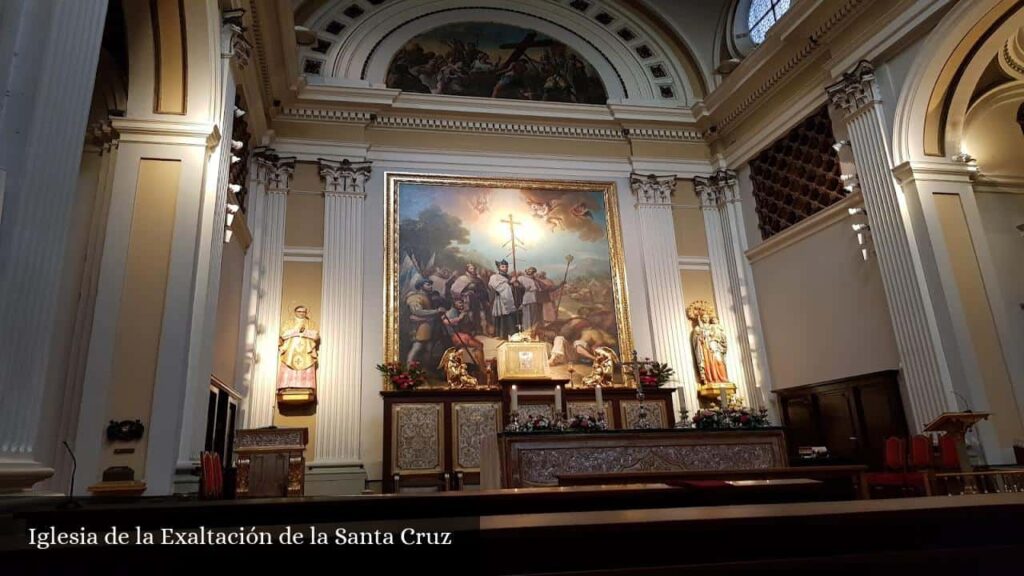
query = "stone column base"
x=339 y=480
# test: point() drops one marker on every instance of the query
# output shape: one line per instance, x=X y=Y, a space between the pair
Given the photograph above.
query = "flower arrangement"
x=734 y=416
x=578 y=423
x=654 y=374
x=403 y=377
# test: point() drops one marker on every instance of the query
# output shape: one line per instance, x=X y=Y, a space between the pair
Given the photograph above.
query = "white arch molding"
x=361 y=53
x=912 y=107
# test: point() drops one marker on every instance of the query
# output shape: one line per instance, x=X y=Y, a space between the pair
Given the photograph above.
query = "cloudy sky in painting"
x=552 y=224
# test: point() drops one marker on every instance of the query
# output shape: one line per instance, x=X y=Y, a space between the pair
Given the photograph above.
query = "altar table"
x=529 y=459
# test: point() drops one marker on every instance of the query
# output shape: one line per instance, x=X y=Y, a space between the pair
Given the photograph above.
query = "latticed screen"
x=797 y=176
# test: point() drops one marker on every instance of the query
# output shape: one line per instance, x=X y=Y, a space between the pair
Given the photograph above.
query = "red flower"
x=744 y=419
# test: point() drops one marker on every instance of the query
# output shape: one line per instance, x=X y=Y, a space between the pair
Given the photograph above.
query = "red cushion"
x=885 y=479
x=895 y=453
x=947 y=449
x=921 y=451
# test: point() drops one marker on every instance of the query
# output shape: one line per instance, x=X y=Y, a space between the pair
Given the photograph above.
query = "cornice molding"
x=163 y=132
x=509 y=128
x=999 y=184
x=806 y=228
x=325 y=115
x=814 y=43
x=933 y=171
x=386 y=121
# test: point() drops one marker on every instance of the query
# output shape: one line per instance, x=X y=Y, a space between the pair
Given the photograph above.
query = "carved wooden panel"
x=589 y=409
x=417 y=437
x=797 y=176
x=528 y=410
x=471 y=421
x=656 y=413
x=533 y=460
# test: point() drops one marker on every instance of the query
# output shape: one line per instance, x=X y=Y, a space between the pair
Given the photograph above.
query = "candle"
x=599 y=400
x=724 y=396
x=515 y=399
x=558 y=399
x=682 y=398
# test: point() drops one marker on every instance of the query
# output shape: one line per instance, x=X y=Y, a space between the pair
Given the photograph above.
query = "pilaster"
x=664 y=287
x=274 y=175
x=727 y=278
x=338 y=421
x=45 y=117
x=925 y=372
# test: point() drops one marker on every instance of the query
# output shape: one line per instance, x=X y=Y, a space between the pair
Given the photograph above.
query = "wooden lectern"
x=270 y=462
x=956 y=425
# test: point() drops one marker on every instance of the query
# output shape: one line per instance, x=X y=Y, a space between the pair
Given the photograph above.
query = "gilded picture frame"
x=396 y=261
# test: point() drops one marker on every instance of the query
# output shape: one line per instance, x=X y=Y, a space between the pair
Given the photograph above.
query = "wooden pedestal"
x=270 y=462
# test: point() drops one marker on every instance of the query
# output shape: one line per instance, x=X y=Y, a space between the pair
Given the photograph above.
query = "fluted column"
x=755 y=361
x=711 y=193
x=664 y=287
x=45 y=118
x=276 y=175
x=337 y=419
x=926 y=375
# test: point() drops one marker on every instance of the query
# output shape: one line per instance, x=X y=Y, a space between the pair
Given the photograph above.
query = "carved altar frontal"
x=533 y=459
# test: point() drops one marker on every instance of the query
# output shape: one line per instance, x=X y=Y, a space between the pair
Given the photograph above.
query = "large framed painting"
x=472 y=263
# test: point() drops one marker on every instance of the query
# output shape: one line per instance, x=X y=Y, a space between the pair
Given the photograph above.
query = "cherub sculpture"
x=455 y=370
x=604 y=366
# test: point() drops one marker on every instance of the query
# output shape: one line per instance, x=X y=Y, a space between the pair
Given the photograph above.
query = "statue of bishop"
x=299 y=346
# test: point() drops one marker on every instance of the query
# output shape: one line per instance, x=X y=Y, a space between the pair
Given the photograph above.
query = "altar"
x=533 y=459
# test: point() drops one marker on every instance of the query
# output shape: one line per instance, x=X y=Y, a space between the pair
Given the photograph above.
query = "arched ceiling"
x=642 y=50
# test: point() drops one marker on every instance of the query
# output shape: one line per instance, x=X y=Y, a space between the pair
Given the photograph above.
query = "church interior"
x=568 y=286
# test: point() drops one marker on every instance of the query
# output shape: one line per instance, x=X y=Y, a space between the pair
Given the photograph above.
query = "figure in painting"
x=709 y=343
x=423 y=316
x=455 y=370
x=502 y=61
x=458 y=322
x=469 y=287
x=504 y=310
x=298 y=347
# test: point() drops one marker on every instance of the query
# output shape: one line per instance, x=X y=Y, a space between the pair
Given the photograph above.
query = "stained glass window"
x=763 y=15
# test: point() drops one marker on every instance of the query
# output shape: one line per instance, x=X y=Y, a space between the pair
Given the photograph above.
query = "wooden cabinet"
x=852 y=416
x=429 y=434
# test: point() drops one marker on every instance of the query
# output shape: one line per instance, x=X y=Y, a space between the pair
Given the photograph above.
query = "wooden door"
x=839 y=428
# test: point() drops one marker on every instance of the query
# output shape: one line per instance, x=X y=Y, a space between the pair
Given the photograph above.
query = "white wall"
x=822 y=306
x=1000 y=216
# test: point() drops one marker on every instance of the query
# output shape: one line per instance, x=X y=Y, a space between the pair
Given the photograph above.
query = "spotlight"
x=230 y=219
x=227 y=235
x=846 y=177
x=232 y=207
x=864 y=254
x=237 y=144
x=860 y=227
x=235 y=188
x=239 y=112
x=860 y=238
x=235 y=159
x=840 y=144
x=856 y=211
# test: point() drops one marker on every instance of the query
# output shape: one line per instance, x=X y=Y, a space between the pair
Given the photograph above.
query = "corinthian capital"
x=856 y=89
x=345 y=178
x=233 y=34
x=716 y=189
x=651 y=189
x=274 y=170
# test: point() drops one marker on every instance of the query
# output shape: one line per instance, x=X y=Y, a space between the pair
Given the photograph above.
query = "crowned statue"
x=710 y=346
x=298 y=347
